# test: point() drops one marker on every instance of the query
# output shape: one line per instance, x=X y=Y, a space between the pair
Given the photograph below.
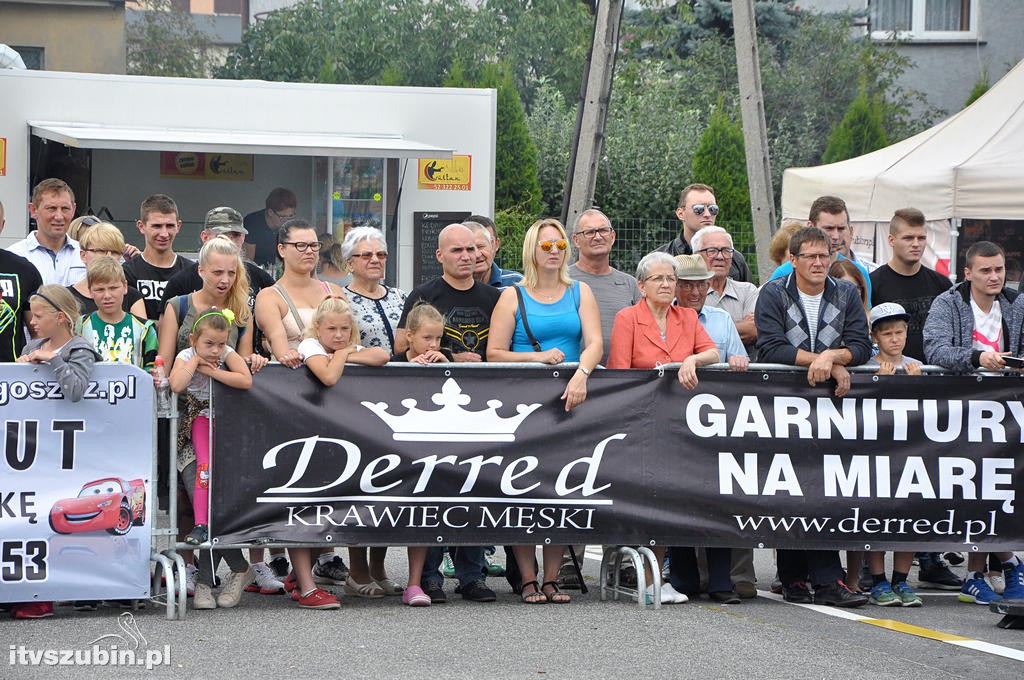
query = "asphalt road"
x=269 y=637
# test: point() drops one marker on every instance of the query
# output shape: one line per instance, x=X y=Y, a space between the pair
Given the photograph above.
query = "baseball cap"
x=224 y=220
x=693 y=268
x=888 y=310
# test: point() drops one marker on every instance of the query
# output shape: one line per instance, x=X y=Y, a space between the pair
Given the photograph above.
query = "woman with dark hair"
x=844 y=270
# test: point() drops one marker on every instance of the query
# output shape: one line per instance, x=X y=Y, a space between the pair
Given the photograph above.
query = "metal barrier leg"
x=166 y=565
x=652 y=560
x=182 y=593
x=606 y=563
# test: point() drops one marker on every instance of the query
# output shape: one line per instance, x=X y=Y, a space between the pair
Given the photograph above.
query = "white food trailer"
x=404 y=159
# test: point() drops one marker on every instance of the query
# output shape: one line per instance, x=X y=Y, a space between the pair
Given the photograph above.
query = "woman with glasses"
x=562 y=325
x=377 y=307
x=285 y=309
x=101 y=239
x=655 y=332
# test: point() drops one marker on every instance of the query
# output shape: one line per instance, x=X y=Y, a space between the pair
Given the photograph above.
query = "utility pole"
x=581 y=176
x=755 y=135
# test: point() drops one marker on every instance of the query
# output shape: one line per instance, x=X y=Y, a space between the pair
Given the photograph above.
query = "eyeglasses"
x=699 y=208
x=662 y=278
x=369 y=255
x=715 y=252
x=814 y=257
x=591 y=233
x=104 y=251
x=303 y=247
x=694 y=285
x=546 y=246
x=283 y=218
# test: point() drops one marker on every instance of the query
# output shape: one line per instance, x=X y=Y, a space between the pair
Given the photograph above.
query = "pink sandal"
x=415 y=597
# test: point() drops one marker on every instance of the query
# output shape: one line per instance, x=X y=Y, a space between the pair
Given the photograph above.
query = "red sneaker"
x=319 y=599
x=32 y=610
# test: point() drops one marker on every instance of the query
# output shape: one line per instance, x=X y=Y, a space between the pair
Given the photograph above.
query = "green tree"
x=551 y=124
x=516 y=185
x=859 y=132
x=980 y=87
x=720 y=161
x=164 y=42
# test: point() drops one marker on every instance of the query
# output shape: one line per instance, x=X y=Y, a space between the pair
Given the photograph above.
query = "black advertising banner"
x=483 y=456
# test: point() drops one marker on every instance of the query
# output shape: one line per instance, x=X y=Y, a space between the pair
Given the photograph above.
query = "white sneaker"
x=998 y=582
x=265 y=582
x=190 y=579
x=203 y=598
x=231 y=593
x=671 y=595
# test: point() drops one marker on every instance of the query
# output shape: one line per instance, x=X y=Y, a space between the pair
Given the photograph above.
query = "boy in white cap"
x=889 y=324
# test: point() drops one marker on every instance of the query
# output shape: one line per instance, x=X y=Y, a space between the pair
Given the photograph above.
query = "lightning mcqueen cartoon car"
x=111 y=503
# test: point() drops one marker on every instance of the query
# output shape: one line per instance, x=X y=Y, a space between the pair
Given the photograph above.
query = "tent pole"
x=954 y=234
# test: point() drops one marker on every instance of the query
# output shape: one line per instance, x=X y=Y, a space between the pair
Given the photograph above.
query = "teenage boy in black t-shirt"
x=150 y=270
x=904 y=280
x=19 y=279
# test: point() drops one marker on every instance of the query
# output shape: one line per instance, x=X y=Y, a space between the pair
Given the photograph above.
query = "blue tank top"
x=554 y=325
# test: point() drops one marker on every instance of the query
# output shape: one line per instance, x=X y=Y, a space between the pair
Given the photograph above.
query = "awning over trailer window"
x=89 y=136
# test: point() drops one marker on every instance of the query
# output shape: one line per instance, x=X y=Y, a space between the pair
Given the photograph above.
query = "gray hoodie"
x=72 y=365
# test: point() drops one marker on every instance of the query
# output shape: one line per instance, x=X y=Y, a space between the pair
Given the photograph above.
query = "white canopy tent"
x=969 y=166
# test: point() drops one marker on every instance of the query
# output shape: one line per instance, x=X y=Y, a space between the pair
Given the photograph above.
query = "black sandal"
x=556 y=596
x=532 y=598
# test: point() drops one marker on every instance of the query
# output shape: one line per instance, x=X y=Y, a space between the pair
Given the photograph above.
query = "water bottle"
x=163 y=389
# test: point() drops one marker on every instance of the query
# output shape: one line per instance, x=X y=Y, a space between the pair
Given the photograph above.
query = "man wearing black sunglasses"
x=697 y=209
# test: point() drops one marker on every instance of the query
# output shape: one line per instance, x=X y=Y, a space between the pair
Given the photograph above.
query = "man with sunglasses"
x=810 y=319
x=698 y=209
x=261 y=226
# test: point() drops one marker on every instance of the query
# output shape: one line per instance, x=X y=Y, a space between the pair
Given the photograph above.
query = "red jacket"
x=636 y=341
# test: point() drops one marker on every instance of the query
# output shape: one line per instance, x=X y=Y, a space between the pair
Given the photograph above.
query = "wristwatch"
x=586 y=371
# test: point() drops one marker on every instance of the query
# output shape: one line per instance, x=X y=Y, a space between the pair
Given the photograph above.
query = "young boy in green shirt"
x=117 y=335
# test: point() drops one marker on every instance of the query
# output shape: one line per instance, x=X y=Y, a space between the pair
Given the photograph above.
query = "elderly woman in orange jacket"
x=654 y=332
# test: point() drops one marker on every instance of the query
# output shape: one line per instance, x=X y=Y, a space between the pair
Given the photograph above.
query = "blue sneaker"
x=883 y=596
x=977 y=591
x=1014 y=583
x=906 y=595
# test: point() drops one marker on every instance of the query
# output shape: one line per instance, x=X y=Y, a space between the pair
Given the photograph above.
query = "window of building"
x=227 y=6
x=923 y=20
x=34 y=57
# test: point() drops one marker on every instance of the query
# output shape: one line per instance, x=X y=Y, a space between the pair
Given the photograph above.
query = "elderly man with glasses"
x=698 y=209
x=738 y=298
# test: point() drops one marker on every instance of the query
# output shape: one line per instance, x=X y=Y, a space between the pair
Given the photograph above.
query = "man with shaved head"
x=466 y=305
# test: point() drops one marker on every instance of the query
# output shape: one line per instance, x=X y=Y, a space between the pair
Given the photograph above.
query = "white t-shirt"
x=988 y=328
x=812 y=306
x=311 y=347
x=199 y=386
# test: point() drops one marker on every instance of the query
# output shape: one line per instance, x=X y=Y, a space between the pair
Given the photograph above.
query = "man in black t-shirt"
x=19 y=279
x=465 y=303
x=262 y=226
x=150 y=270
x=226 y=221
x=905 y=280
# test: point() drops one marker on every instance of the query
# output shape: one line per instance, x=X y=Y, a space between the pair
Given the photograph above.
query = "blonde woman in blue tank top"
x=564 y=320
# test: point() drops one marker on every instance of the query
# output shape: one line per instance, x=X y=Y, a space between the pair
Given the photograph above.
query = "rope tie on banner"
x=661 y=369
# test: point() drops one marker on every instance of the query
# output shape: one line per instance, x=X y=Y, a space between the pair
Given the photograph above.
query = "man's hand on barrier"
x=738 y=363
x=820 y=369
x=993 y=361
x=842 y=377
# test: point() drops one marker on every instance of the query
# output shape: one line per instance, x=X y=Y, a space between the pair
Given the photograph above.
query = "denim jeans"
x=469 y=565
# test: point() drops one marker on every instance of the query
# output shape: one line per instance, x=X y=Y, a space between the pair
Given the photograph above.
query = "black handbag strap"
x=526 y=324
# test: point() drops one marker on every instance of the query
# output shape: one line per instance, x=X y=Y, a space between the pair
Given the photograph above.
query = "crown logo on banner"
x=451 y=423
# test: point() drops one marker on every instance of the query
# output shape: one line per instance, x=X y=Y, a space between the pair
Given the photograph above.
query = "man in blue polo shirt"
x=487 y=245
x=49 y=248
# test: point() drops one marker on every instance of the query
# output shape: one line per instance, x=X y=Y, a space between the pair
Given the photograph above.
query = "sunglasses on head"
x=546 y=246
x=699 y=208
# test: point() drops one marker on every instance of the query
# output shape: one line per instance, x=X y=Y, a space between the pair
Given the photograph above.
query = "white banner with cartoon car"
x=75 y=496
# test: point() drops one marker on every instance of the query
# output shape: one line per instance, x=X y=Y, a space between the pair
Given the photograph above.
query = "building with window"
x=66 y=35
x=952 y=43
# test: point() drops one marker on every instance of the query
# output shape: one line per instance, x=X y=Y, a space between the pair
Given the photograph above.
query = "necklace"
x=550 y=298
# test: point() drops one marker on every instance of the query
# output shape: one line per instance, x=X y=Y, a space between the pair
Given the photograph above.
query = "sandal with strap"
x=556 y=596
x=369 y=590
x=535 y=597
